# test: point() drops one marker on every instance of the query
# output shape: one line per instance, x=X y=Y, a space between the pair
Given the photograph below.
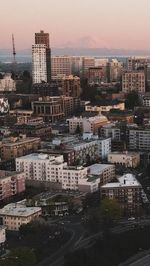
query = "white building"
x=86 y=124
x=39 y=68
x=45 y=168
x=7 y=83
x=14 y=215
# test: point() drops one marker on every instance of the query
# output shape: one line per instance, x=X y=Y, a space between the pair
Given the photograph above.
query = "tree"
x=132 y=100
x=20 y=257
x=78 y=130
x=110 y=211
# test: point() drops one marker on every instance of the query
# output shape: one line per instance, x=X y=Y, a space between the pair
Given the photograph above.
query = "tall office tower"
x=39 y=67
x=42 y=38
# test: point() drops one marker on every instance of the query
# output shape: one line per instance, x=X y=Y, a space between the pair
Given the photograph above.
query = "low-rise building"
x=105 y=107
x=11 y=183
x=14 y=215
x=14 y=147
x=86 y=124
x=105 y=172
x=127 y=159
x=127 y=191
x=52 y=169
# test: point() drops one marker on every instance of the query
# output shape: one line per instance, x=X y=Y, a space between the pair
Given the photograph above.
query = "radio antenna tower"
x=14 y=56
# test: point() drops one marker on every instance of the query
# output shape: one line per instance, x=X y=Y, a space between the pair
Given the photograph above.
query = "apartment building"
x=139 y=139
x=106 y=172
x=86 y=124
x=39 y=64
x=133 y=81
x=71 y=86
x=14 y=215
x=111 y=130
x=127 y=191
x=127 y=159
x=11 y=183
x=61 y=66
x=47 y=168
x=18 y=146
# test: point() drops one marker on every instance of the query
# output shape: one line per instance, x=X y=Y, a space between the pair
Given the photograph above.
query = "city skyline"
x=96 y=24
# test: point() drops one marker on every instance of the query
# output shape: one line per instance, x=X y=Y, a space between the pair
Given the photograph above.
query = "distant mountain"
x=25 y=54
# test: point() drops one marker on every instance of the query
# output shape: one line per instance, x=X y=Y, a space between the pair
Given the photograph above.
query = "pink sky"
x=92 y=23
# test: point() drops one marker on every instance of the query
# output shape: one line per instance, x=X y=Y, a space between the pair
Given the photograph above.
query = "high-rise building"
x=61 y=66
x=41 y=58
x=133 y=81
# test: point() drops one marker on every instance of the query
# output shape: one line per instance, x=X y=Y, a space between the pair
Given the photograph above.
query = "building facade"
x=11 y=183
x=14 y=147
x=14 y=215
x=127 y=191
x=133 y=81
x=127 y=159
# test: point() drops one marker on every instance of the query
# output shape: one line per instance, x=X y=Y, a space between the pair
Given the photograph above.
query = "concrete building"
x=133 y=81
x=106 y=172
x=127 y=159
x=42 y=38
x=14 y=147
x=55 y=108
x=86 y=124
x=105 y=107
x=71 y=86
x=104 y=147
x=137 y=62
x=11 y=183
x=39 y=67
x=127 y=191
x=2 y=239
x=110 y=130
x=52 y=169
x=7 y=83
x=87 y=62
x=139 y=139
x=14 y=215
x=96 y=75
x=61 y=66
x=22 y=116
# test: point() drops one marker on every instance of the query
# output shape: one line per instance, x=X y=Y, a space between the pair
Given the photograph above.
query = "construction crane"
x=14 y=56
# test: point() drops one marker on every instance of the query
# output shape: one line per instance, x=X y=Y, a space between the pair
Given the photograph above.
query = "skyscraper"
x=41 y=58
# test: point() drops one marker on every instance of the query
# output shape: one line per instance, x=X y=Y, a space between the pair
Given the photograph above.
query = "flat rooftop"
x=41 y=156
x=96 y=169
x=127 y=180
x=11 y=210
